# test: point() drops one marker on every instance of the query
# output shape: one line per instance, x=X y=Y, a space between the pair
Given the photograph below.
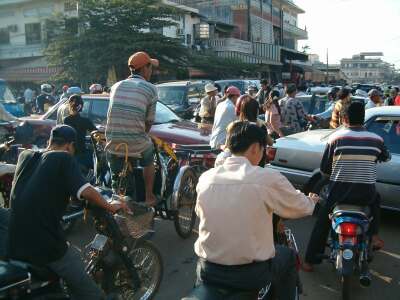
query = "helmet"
x=46 y=88
x=333 y=92
x=361 y=93
x=96 y=88
x=74 y=90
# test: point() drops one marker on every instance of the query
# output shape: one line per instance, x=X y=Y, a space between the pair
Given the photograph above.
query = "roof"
x=383 y=111
x=182 y=83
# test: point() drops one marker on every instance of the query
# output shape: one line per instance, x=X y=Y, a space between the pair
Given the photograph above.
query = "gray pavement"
x=179 y=263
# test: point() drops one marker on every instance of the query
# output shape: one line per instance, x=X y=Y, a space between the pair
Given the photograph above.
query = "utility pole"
x=327 y=66
x=249 y=38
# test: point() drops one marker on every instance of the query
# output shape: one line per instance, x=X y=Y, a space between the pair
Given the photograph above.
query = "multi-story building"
x=362 y=69
x=255 y=31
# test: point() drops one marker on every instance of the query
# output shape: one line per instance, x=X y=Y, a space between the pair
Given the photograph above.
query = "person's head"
x=142 y=64
x=291 y=90
x=344 y=94
x=374 y=95
x=252 y=90
x=75 y=104
x=96 y=88
x=211 y=89
x=46 y=88
x=393 y=93
x=219 y=89
x=233 y=93
x=355 y=114
x=63 y=137
x=74 y=90
x=246 y=139
x=65 y=88
x=332 y=93
x=249 y=109
x=264 y=83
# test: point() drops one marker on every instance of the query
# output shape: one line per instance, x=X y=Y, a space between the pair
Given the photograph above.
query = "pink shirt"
x=272 y=119
x=235 y=202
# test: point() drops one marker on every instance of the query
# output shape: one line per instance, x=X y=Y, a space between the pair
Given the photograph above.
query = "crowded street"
x=180 y=263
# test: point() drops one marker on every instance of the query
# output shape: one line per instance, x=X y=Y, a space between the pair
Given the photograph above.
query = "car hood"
x=183 y=132
x=301 y=151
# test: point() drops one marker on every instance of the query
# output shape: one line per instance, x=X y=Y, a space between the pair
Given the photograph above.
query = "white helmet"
x=46 y=88
x=96 y=88
x=361 y=93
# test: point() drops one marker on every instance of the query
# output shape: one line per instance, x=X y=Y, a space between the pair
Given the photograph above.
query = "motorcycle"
x=208 y=292
x=119 y=259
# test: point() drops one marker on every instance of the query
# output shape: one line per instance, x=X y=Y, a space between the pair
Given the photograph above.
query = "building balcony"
x=11 y=52
x=296 y=32
x=258 y=53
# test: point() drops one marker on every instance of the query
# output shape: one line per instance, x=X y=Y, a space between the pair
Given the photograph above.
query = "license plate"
x=99 y=242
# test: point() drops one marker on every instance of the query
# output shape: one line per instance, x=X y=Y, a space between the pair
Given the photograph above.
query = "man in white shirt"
x=224 y=115
x=235 y=203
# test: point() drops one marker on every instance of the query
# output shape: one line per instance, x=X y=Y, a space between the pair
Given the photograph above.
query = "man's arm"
x=94 y=197
x=327 y=160
x=284 y=200
x=150 y=115
x=385 y=155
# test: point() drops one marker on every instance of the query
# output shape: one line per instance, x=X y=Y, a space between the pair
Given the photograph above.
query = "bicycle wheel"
x=186 y=199
x=149 y=265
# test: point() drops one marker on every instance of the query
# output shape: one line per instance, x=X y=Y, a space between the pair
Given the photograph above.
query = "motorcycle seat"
x=12 y=275
x=347 y=209
x=209 y=292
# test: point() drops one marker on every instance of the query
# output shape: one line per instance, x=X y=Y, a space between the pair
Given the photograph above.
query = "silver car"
x=299 y=155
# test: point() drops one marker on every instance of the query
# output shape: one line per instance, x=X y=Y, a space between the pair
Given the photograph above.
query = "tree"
x=106 y=33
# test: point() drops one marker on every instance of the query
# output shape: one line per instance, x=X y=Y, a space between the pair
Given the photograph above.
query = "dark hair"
x=249 y=109
x=343 y=93
x=356 y=113
x=75 y=103
x=290 y=89
x=242 y=134
x=273 y=100
x=264 y=81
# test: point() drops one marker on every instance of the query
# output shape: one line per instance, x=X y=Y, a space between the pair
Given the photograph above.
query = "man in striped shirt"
x=349 y=160
x=130 y=116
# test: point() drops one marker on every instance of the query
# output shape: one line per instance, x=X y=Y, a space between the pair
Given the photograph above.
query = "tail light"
x=271 y=152
x=348 y=233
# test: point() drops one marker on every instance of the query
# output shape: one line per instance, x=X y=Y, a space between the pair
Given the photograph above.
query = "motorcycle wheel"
x=149 y=265
x=346 y=281
x=185 y=217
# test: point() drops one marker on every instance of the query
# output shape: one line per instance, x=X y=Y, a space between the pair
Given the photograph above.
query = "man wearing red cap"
x=224 y=115
x=130 y=117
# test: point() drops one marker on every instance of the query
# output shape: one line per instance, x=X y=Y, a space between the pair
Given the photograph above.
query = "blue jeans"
x=4 y=219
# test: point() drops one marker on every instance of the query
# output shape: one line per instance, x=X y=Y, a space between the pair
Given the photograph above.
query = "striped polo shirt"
x=132 y=105
x=350 y=159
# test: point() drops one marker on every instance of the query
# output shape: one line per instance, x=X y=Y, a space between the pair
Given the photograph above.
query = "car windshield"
x=172 y=94
x=165 y=115
x=237 y=83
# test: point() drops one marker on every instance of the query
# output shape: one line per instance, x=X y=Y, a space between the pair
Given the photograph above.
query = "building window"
x=70 y=5
x=33 y=33
x=4 y=36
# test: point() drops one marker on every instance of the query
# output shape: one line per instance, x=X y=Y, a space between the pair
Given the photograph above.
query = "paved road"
x=179 y=263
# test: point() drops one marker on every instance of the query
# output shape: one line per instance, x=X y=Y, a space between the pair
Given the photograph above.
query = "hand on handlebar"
x=314 y=197
x=117 y=206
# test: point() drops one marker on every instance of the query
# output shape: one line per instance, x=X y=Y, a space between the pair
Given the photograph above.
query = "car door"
x=388 y=181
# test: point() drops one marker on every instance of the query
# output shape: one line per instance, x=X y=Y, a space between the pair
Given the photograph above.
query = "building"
x=260 y=32
x=366 y=67
x=22 y=38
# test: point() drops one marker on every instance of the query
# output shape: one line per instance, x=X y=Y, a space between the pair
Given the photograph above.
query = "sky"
x=348 y=27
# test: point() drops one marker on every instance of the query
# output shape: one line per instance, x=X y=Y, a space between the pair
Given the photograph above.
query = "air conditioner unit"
x=12 y=28
x=179 y=31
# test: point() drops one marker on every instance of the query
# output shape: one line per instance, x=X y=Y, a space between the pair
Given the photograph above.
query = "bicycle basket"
x=137 y=224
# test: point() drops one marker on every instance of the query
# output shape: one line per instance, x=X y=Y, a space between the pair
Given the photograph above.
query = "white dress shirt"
x=224 y=115
x=235 y=202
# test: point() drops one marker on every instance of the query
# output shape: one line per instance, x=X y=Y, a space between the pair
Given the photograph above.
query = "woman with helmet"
x=82 y=125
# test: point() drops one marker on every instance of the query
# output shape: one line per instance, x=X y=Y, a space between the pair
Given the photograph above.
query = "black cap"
x=63 y=134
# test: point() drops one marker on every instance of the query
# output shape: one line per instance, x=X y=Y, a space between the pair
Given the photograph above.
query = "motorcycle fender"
x=347 y=258
x=177 y=185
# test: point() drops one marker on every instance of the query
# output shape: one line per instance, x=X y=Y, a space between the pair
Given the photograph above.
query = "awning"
x=290 y=54
x=33 y=69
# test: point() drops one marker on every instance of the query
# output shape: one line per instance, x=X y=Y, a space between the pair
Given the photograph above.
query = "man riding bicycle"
x=235 y=203
x=42 y=186
x=130 y=116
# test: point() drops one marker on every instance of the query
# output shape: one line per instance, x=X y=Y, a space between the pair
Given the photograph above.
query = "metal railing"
x=300 y=33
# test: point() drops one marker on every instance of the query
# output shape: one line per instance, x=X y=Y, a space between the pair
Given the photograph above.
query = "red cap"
x=233 y=91
x=140 y=59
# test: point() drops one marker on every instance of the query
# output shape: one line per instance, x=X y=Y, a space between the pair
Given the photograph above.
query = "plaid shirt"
x=338 y=114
